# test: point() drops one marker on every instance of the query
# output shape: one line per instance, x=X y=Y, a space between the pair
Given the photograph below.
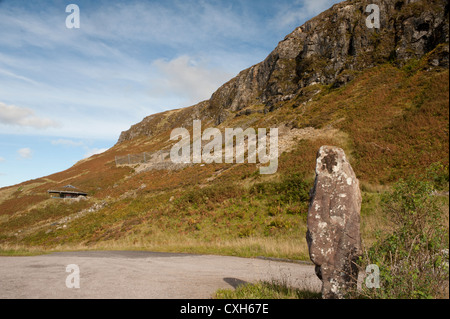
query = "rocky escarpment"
x=330 y=49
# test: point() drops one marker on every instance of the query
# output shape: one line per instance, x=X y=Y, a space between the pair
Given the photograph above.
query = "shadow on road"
x=234 y=282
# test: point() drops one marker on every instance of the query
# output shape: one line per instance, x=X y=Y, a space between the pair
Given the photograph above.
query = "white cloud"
x=170 y=23
x=94 y=151
x=16 y=76
x=22 y=116
x=2 y=159
x=25 y=153
x=89 y=151
x=187 y=78
x=297 y=13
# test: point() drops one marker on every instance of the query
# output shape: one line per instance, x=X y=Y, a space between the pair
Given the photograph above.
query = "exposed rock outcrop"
x=333 y=235
x=329 y=49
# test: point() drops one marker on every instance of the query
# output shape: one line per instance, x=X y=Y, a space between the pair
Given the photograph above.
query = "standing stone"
x=333 y=235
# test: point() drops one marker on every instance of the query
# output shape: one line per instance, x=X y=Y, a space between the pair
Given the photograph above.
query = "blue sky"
x=66 y=94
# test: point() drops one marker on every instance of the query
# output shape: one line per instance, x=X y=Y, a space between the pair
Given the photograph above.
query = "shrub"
x=438 y=175
x=412 y=259
x=291 y=189
x=294 y=189
x=208 y=195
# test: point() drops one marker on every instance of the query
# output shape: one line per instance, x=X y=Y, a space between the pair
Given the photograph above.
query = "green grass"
x=264 y=219
x=20 y=252
x=265 y=290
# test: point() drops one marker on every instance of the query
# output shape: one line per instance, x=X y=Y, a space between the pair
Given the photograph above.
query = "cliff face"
x=329 y=49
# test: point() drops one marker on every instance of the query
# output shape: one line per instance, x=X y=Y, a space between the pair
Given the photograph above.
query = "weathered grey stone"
x=333 y=235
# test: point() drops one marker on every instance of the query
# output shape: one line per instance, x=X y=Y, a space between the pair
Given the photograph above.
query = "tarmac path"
x=139 y=274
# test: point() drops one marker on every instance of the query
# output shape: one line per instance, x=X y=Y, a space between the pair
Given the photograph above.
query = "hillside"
x=380 y=94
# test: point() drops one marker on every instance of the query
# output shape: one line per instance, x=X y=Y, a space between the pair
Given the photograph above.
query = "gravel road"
x=137 y=274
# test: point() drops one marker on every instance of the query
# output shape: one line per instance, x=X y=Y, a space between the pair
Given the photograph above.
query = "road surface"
x=138 y=274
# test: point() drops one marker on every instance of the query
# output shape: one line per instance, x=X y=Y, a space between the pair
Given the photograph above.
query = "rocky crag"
x=329 y=49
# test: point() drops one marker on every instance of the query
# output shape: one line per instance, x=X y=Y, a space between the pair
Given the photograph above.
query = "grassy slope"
x=266 y=290
x=394 y=122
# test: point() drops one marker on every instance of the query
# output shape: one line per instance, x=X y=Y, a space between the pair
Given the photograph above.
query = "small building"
x=67 y=191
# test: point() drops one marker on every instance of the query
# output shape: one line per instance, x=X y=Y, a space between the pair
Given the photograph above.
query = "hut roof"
x=68 y=189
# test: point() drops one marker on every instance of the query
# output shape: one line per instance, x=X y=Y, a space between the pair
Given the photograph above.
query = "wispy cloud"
x=22 y=116
x=89 y=150
x=25 y=153
x=297 y=12
x=94 y=151
x=2 y=159
x=187 y=78
x=18 y=77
